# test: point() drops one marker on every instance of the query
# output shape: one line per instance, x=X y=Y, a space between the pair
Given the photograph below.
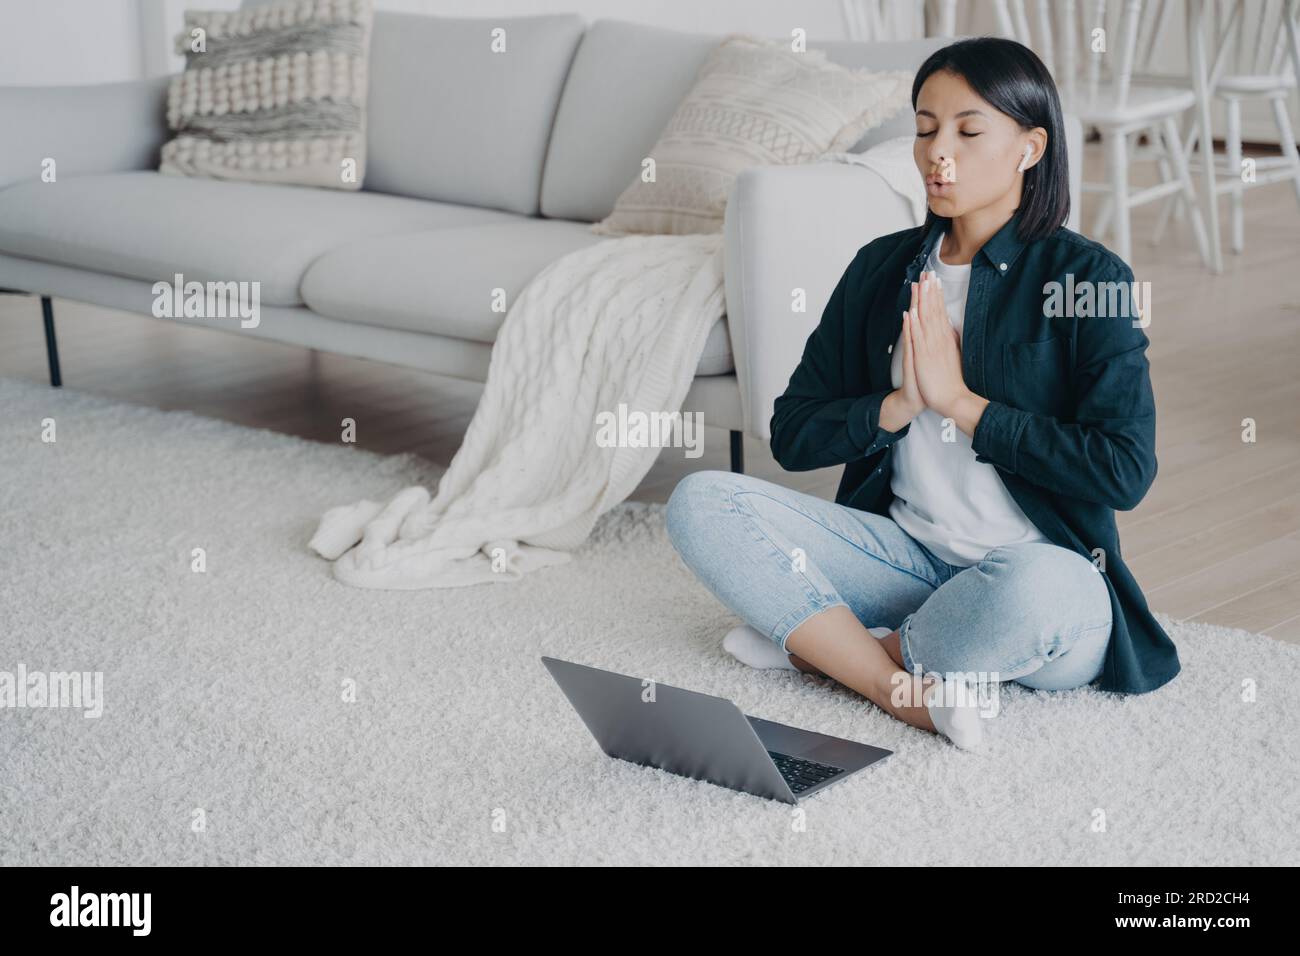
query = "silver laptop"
x=704 y=737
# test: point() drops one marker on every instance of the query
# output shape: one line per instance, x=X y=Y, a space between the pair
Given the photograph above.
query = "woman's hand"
x=935 y=347
x=936 y=353
x=903 y=403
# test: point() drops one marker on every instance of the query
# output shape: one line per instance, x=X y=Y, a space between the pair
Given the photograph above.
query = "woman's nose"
x=941 y=147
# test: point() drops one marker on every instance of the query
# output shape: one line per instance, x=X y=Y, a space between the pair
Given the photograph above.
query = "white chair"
x=1120 y=101
x=1260 y=70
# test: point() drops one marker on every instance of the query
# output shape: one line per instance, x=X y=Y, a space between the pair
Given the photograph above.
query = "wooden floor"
x=1217 y=539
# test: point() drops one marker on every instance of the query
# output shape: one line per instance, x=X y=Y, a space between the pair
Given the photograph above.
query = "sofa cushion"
x=146 y=225
x=754 y=103
x=443 y=281
x=277 y=94
x=626 y=82
x=449 y=119
x=885 y=55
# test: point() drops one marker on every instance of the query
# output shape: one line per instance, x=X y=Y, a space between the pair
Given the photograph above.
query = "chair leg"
x=1236 y=189
x=1117 y=161
x=1187 y=130
x=51 y=343
x=1101 y=222
x=1183 y=138
x=737 y=452
x=1179 y=159
x=1166 y=175
x=1174 y=206
x=1287 y=139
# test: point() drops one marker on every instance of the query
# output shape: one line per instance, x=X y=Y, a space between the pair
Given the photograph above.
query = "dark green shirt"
x=1071 y=420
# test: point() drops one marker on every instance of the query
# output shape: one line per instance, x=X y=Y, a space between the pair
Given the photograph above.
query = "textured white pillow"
x=278 y=95
x=755 y=102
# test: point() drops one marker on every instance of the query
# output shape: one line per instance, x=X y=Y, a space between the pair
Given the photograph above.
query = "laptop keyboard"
x=802 y=774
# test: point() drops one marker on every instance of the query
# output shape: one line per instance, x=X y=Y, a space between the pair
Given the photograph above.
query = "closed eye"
x=931 y=133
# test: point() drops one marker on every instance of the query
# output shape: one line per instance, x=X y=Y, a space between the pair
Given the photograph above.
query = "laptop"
x=706 y=738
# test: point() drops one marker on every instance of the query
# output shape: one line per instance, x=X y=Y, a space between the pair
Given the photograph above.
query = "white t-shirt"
x=956 y=506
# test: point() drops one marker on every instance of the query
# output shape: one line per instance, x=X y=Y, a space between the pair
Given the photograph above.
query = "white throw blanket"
x=622 y=321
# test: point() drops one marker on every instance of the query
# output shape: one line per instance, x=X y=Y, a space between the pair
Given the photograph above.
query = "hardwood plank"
x=1185 y=522
x=1212 y=475
x=1260 y=609
x=1217 y=543
x=1288 y=630
x=1191 y=595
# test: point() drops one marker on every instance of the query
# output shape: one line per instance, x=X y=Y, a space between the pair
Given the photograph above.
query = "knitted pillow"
x=755 y=102
x=273 y=93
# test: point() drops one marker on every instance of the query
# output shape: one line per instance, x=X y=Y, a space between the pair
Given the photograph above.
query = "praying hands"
x=932 y=375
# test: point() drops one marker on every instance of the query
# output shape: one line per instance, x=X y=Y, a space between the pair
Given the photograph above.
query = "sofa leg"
x=51 y=343
x=737 y=452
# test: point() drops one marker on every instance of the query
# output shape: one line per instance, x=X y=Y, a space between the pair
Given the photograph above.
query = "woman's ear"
x=1039 y=137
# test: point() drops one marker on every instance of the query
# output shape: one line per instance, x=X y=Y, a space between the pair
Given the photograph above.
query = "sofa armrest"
x=111 y=127
x=799 y=227
x=789 y=228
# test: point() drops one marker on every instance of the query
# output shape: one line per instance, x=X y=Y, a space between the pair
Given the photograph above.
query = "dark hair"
x=1012 y=79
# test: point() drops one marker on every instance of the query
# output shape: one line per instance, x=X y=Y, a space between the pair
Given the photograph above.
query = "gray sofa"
x=477 y=176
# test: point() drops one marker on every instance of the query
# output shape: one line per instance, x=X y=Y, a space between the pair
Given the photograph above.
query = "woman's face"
x=980 y=146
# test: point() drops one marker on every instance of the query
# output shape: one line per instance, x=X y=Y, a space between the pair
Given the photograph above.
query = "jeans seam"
x=813 y=591
x=1075 y=635
x=909 y=664
x=1080 y=632
x=813 y=518
x=799 y=615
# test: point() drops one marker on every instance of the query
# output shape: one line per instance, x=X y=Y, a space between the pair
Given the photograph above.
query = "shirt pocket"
x=1036 y=375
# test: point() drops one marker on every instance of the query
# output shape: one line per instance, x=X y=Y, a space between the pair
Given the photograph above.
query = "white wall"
x=822 y=19
x=45 y=42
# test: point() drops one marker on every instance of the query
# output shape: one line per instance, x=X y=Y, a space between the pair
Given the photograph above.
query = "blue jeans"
x=1037 y=614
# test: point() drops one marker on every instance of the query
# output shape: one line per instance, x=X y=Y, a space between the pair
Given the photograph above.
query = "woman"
x=989 y=431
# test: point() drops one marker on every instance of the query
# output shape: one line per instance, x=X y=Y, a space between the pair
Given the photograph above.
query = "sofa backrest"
x=452 y=120
x=559 y=124
x=626 y=81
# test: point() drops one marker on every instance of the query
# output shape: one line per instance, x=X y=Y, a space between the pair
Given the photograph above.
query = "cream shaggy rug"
x=226 y=737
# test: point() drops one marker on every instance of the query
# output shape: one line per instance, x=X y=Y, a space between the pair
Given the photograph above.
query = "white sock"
x=340 y=528
x=956 y=713
x=750 y=647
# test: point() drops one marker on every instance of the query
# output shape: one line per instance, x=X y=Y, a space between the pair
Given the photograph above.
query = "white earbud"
x=1029 y=151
